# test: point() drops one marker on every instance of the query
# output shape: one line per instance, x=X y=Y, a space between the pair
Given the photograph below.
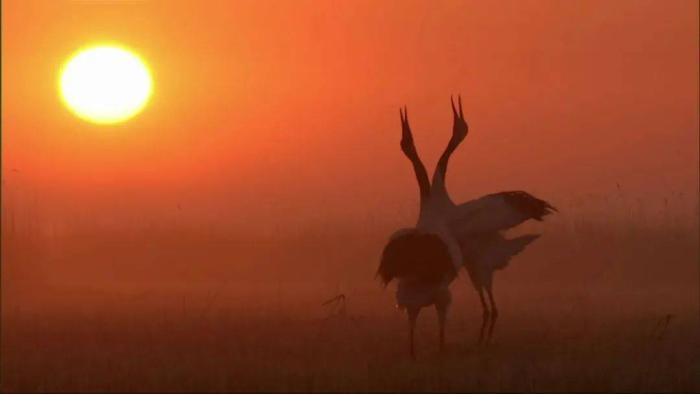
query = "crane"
x=425 y=259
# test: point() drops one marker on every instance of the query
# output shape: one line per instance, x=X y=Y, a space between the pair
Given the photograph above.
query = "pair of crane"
x=425 y=259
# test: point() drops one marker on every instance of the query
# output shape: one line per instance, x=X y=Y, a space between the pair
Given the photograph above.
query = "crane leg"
x=412 y=316
x=442 y=316
x=485 y=317
x=494 y=311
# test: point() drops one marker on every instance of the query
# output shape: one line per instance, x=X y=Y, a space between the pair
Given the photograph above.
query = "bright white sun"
x=105 y=84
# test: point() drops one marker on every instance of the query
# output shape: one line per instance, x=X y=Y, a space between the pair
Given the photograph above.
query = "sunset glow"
x=357 y=196
x=105 y=84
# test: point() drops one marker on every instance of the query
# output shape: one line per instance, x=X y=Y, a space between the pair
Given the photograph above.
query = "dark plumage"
x=423 y=257
x=526 y=204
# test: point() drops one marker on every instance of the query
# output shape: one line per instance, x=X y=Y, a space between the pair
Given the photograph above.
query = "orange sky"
x=286 y=112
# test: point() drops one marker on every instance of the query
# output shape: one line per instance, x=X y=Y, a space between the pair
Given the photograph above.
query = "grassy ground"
x=583 y=309
x=227 y=350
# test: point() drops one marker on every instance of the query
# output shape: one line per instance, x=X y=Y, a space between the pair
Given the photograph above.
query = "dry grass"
x=584 y=309
x=233 y=351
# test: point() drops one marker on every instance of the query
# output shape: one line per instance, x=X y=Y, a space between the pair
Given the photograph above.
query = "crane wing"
x=496 y=212
x=494 y=251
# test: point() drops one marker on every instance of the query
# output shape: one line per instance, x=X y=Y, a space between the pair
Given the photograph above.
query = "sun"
x=105 y=84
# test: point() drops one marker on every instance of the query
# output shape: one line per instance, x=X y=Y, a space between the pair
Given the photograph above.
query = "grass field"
x=230 y=350
x=587 y=308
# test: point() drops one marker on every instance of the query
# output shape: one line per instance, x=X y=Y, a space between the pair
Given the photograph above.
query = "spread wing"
x=494 y=251
x=496 y=212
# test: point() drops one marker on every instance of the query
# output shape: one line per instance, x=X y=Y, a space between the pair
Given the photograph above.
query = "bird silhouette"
x=425 y=259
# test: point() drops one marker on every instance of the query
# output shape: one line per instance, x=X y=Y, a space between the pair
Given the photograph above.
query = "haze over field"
x=284 y=114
